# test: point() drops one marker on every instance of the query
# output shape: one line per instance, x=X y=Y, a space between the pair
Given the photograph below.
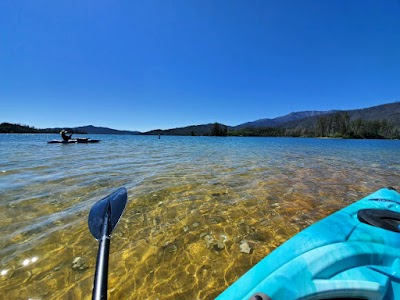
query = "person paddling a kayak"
x=65 y=136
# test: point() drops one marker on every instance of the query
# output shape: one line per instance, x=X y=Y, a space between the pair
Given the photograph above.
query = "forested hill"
x=188 y=130
x=382 y=121
x=389 y=112
x=292 y=117
x=90 y=129
x=17 y=128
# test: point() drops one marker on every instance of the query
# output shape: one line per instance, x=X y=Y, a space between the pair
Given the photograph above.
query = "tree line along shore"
x=337 y=125
x=19 y=128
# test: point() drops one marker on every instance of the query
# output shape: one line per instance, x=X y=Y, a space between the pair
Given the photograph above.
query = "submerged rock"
x=209 y=241
x=216 y=220
x=57 y=268
x=203 y=234
x=213 y=243
x=256 y=236
x=244 y=247
x=79 y=264
x=218 y=246
x=170 y=247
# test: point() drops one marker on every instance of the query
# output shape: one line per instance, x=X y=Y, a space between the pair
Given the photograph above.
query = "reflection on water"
x=201 y=211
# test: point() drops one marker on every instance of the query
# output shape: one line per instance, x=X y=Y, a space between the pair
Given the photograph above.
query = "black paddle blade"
x=110 y=207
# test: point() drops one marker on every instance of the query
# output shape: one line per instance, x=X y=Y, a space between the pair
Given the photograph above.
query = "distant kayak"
x=74 y=141
x=353 y=253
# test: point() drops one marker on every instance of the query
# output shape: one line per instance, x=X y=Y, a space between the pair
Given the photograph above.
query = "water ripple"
x=192 y=200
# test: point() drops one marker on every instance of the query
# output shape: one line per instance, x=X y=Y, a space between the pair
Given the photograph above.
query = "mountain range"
x=90 y=129
x=292 y=117
x=303 y=120
x=299 y=120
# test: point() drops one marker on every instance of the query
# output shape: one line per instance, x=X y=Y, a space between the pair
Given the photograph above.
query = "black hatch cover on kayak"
x=385 y=219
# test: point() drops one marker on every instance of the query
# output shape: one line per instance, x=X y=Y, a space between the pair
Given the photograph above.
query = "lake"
x=192 y=201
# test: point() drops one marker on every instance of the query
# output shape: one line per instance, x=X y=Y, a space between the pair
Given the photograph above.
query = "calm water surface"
x=192 y=202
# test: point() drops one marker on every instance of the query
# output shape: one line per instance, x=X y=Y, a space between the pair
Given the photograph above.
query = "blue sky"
x=142 y=65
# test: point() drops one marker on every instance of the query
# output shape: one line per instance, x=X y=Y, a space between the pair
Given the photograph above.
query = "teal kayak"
x=353 y=253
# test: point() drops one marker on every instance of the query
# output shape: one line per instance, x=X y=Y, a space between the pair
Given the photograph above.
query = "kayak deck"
x=337 y=257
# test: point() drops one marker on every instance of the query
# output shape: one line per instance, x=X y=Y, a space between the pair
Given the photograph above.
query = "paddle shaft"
x=101 y=275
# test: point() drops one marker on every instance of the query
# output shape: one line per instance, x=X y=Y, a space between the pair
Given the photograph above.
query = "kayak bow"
x=353 y=253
